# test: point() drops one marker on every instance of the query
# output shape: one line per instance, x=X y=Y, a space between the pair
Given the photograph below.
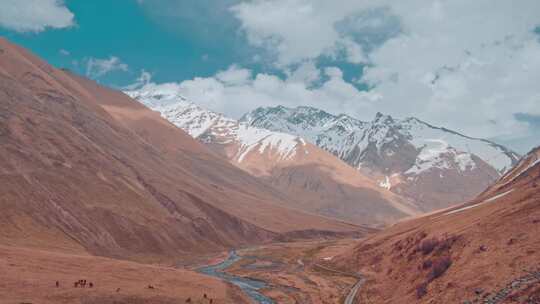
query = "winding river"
x=249 y=286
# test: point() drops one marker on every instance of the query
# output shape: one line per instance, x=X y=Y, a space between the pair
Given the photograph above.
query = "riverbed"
x=249 y=286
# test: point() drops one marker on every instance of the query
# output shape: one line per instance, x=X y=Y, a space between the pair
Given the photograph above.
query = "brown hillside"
x=485 y=250
x=85 y=168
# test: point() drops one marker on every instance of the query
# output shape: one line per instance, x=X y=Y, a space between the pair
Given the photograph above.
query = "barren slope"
x=487 y=249
x=321 y=183
x=316 y=180
x=407 y=156
x=86 y=168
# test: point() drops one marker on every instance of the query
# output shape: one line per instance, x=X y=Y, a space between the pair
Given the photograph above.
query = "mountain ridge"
x=87 y=169
x=318 y=181
x=412 y=157
x=259 y=117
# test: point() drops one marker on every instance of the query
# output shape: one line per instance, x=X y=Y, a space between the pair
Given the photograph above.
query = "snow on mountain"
x=350 y=139
x=409 y=157
x=329 y=132
x=422 y=160
x=423 y=135
x=210 y=126
x=313 y=179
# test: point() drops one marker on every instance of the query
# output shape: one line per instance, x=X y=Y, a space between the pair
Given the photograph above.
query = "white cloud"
x=462 y=64
x=296 y=30
x=235 y=98
x=293 y=30
x=353 y=51
x=234 y=76
x=467 y=65
x=64 y=52
x=98 y=67
x=307 y=73
x=143 y=79
x=35 y=15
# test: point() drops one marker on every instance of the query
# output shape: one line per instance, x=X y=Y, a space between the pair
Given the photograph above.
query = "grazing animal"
x=188 y=300
x=57 y=284
x=117 y=289
x=76 y=284
x=211 y=301
x=205 y=296
x=150 y=287
x=90 y=284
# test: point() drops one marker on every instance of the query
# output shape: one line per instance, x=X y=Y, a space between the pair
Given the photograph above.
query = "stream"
x=249 y=286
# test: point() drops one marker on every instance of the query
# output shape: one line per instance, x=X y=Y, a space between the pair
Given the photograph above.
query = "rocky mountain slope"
x=484 y=251
x=407 y=156
x=314 y=179
x=87 y=169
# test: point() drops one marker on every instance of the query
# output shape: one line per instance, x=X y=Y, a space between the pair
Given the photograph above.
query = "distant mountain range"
x=314 y=179
x=408 y=156
x=420 y=163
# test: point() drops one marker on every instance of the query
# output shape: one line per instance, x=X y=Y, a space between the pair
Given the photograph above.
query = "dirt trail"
x=352 y=293
x=354 y=290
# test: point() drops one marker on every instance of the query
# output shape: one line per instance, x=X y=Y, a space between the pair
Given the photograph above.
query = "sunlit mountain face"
x=408 y=157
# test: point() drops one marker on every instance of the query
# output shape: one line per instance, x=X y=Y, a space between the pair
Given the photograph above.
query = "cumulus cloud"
x=35 y=15
x=244 y=93
x=466 y=65
x=307 y=73
x=461 y=64
x=471 y=66
x=295 y=30
x=526 y=140
x=234 y=76
x=96 y=67
x=144 y=78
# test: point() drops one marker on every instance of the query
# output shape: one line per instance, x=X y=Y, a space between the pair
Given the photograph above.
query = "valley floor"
x=29 y=276
x=297 y=272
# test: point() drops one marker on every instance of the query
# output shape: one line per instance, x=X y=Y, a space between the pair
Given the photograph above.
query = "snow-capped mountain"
x=214 y=128
x=314 y=179
x=408 y=156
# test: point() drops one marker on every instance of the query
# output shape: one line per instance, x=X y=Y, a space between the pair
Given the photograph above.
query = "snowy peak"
x=421 y=159
x=351 y=139
x=383 y=119
x=313 y=179
x=300 y=118
x=176 y=109
x=433 y=142
x=212 y=127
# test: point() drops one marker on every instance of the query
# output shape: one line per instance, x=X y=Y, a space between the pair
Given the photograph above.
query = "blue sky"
x=172 y=40
x=142 y=36
x=471 y=67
